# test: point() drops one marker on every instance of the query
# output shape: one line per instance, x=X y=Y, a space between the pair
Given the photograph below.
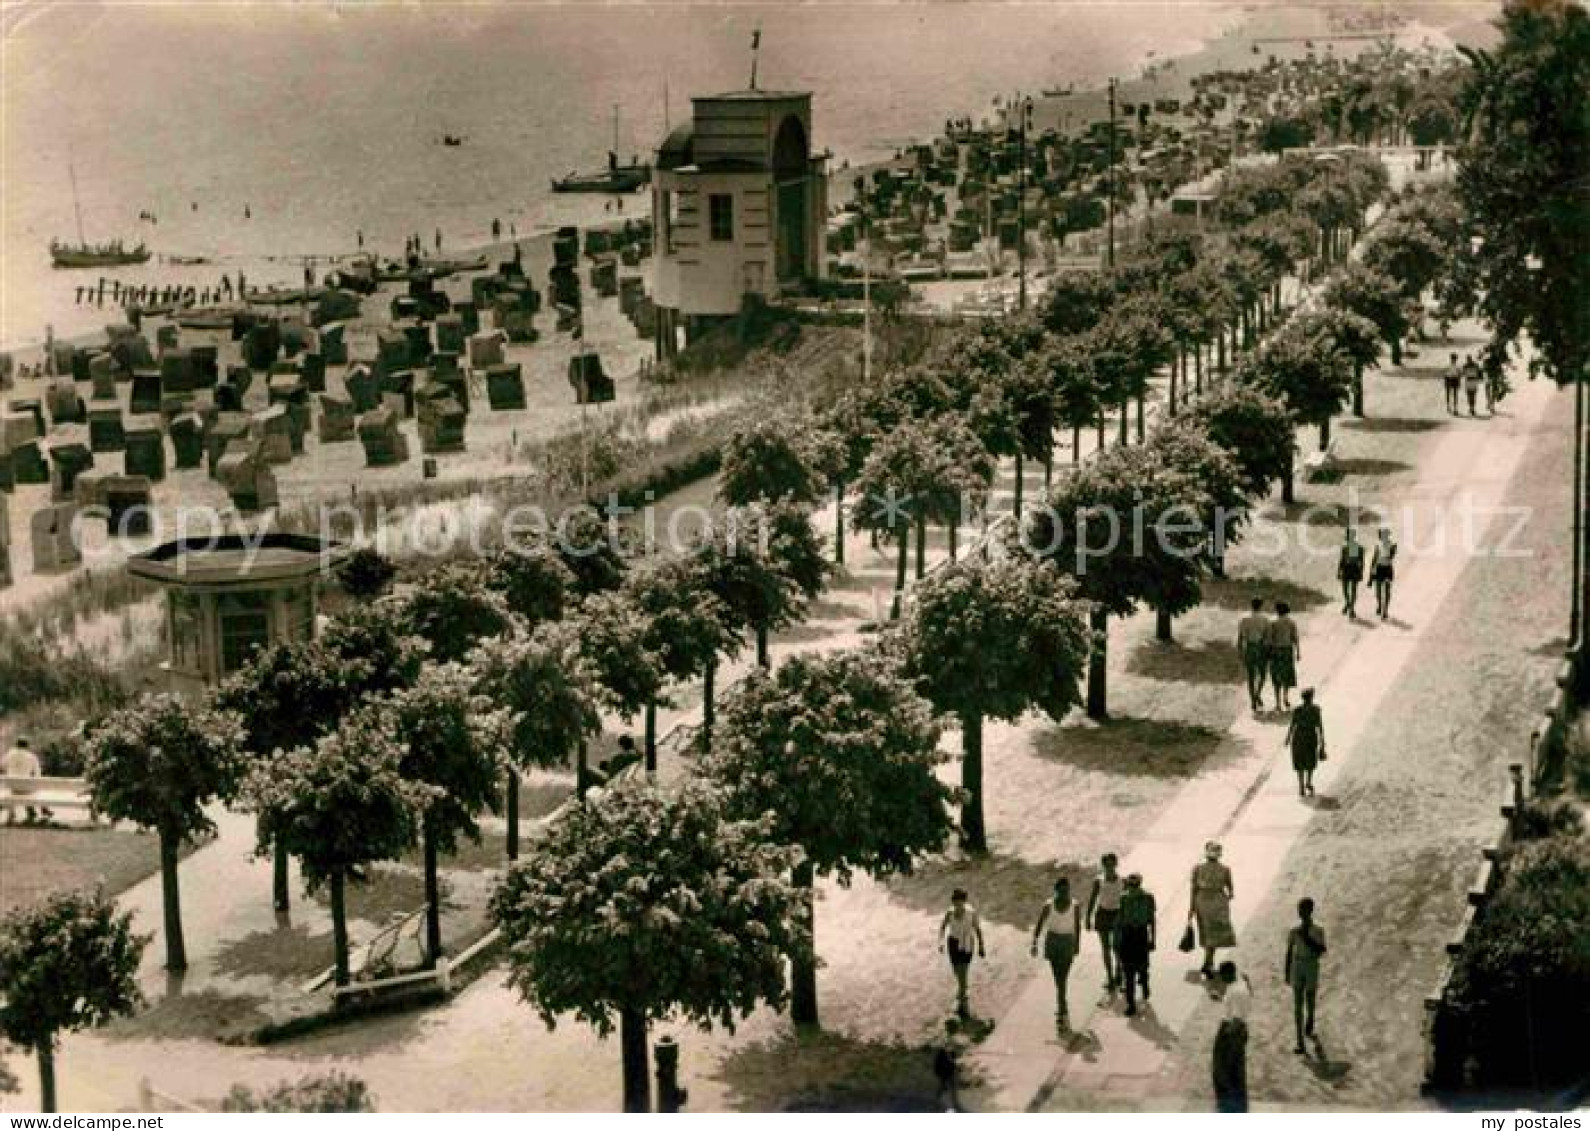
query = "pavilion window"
x=245 y=627
x=720 y=216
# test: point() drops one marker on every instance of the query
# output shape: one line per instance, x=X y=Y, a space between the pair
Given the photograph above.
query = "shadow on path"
x=1392 y=424
x=1234 y=593
x=1209 y=662
x=1370 y=467
x=814 y=1070
x=1005 y=889
x=1131 y=747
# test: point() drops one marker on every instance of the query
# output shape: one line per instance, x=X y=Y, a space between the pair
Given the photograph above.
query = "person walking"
x=1059 y=926
x=1230 y=1059
x=959 y=931
x=1136 y=930
x=1210 y=906
x=1472 y=380
x=1103 y=914
x=1451 y=380
x=1305 y=945
x=1253 y=644
x=1305 y=736
x=1382 y=571
x=1285 y=650
x=1350 y=572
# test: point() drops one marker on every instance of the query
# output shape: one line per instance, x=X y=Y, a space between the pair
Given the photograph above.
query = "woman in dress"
x=1382 y=572
x=1285 y=651
x=1060 y=927
x=1350 y=571
x=1305 y=735
x=1211 y=906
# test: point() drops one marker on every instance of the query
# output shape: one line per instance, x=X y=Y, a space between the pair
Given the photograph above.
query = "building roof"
x=237 y=561
x=678 y=148
x=752 y=96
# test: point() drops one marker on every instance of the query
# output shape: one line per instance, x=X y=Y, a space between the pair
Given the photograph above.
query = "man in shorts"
x=1252 y=645
x=1104 y=909
x=1305 y=945
x=959 y=931
x=1452 y=381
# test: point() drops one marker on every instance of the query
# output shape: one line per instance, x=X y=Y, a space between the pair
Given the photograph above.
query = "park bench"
x=54 y=794
x=1320 y=463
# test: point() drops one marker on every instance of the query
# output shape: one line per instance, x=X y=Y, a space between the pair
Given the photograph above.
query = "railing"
x=1445 y=1030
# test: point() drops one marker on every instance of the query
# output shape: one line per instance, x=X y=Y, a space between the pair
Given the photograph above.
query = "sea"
x=254 y=134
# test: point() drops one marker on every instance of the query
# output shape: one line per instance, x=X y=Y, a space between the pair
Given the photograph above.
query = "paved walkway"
x=1251 y=804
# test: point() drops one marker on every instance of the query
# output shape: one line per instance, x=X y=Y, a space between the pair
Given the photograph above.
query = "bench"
x=1320 y=463
x=54 y=794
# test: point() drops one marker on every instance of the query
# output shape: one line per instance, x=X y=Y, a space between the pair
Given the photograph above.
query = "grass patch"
x=39 y=861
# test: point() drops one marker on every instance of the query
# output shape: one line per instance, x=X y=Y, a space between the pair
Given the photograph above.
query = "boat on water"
x=84 y=254
x=113 y=254
x=616 y=178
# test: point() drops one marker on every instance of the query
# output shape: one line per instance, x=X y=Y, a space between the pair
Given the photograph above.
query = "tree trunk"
x=433 y=896
x=1325 y=434
x=1142 y=417
x=511 y=790
x=339 y=924
x=582 y=771
x=974 y=837
x=1220 y=351
x=839 y=522
x=708 y=708
x=1101 y=429
x=1016 y=505
x=1126 y=412
x=651 y=737
x=1198 y=370
x=1048 y=471
x=637 y=1069
x=903 y=536
x=762 y=660
x=1099 y=622
x=1396 y=351
x=921 y=546
x=1358 y=390
x=1162 y=626
x=281 y=895
x=47 y=1103
x=1076 y=445
x=1178 y=364
x=803 y=970
x=952 y=533
x=171 y=898
x=1288 y=479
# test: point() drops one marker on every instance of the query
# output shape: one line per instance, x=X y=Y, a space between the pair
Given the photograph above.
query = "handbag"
x=1188 y=940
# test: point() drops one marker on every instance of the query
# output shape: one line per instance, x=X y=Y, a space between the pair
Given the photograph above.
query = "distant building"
x=739 y=203
x=228 y=596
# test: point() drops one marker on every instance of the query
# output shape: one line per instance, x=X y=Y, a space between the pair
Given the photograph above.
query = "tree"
x=593 y=550
x=449 y=738
x=67 y=963
x=1521 y=181
x=738 y=569
x=1119 y=528
x=1073 y=386
x=650 y=905
x=548 y=693
x=1408 y=251
x=839 y=753
x=452 y=609
x=294 y=692
x=330 y=1092
x=158 y=764
x=688 y=627
x=1254 y=427
x=338 y=806
x=612 y=637
x=991 y=640
x=892 y=493
x=769 y=460
x=533 y=580
x=1374 y=296
x=1304 y=373
x=1204 y=477
x=1352 y=335
x=366 y=575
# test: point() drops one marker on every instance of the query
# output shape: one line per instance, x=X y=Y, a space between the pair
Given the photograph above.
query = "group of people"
x=1467 y=377
x=1270 y=650
x=1124 y=915
x=1382 y=571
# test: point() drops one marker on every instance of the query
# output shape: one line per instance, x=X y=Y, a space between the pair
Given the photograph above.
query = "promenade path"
x=1423 y=713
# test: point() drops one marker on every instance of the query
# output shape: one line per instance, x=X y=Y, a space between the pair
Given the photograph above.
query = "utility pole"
x=1024 y=107
x=1110 y=212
